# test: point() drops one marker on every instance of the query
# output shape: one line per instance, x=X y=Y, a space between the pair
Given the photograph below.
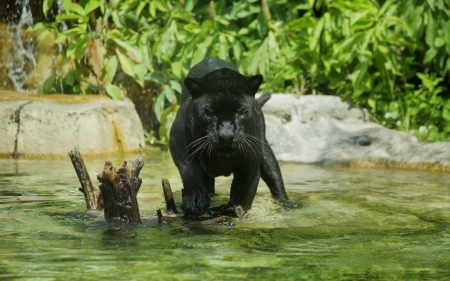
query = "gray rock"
x=51 y=128
x=325 y=130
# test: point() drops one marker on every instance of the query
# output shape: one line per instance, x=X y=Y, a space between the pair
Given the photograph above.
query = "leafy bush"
x=391 y=57
x=388 y=56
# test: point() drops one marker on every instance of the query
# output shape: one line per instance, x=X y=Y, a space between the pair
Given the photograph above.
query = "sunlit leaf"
x=131 y=51
x=81 y=48
x=168 y=93
x=175 y=85
x=159 y=106
x=116 y=19
x=91 y=5
x=126 y=64
x=146 y=56
x=46 y=5
x=114 y=92
x=315 y=37
x=110 y=69
x=44 y=34
x=75 y=7
x=140 y=70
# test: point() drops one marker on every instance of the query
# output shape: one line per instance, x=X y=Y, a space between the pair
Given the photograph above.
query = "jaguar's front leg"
x=196 y=192
x=244 y=186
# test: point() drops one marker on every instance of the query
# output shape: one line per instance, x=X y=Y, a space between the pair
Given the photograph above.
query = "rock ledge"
x=324 y=130
x=38 y=125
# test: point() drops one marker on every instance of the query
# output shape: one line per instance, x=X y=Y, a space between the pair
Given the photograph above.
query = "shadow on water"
x=341 y=224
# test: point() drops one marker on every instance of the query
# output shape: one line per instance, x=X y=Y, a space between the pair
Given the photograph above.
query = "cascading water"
x=19 y=58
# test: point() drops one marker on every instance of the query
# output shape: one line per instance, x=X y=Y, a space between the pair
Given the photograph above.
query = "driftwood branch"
x=168 y=196
x=119 y=190
x=92 y=197
x=228 y=210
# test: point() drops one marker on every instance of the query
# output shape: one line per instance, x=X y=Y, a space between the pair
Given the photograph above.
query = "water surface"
x=342 y=224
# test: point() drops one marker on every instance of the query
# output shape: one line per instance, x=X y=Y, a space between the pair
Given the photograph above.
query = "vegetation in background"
x=392 y=57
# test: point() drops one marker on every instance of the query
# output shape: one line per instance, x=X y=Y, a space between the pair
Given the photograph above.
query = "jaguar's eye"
x=209 y=110
x=240 y=109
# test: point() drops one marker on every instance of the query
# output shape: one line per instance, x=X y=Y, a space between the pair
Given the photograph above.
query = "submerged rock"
x=52 y=125
x=325 y=130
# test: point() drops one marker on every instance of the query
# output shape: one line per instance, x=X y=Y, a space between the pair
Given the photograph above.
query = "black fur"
x=219 y=130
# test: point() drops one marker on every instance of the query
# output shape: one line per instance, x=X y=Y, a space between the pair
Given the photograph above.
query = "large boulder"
x=37 y=125
x=325 y=130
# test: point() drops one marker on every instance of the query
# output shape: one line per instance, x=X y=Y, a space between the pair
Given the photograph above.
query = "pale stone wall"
x=33 y=127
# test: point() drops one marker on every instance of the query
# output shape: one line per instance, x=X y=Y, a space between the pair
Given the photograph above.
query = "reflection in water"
x=120 y=237
x=341 y=224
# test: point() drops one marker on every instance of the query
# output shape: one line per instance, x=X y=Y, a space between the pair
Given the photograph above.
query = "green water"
x=342 y=224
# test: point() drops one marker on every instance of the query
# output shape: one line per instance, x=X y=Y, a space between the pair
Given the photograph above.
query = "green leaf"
x=372 y=103
x=48 y=84
x=140 y=7
x=159 y=106
x=168 y=93
x=146 y=56
x=202 y=49
x=60 y=38
x=223 y=47
x=131 y=51
x=348 y=44
x=110 y=69
x=430 y=55
x=314 y=38
x=221 y=20
x=238 y=50
x=46 y=5
x=75 y=7
x=359 y=73
x=177 y=68
x=175 y=85
x=116 y=19
x=431 y=4
x=60 y=18
x=37 y=26
x=81 y=49
x=44 y=34
x=258 y=57
x=91 y=5
x=430 y=34
x=140 y=70
x=74 y=45
x=439 y=42
x=446 y=113
x=126 y=64
x=155 y=77
x=447 y=34
x=114 y=92
x=72 y=32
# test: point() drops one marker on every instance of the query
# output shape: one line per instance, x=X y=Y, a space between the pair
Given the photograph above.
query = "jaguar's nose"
x=226 y=133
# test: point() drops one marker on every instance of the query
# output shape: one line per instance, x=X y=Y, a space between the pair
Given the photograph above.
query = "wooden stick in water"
x=92 y=197
x=168 y=196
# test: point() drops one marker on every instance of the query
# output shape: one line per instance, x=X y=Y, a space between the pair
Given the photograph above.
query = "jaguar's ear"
x=252 y=83
x=194 y=86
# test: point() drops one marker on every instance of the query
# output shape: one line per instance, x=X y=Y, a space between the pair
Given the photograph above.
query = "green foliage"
x=388 y=56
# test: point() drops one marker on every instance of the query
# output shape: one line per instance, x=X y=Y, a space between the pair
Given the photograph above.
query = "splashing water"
x=19 y=59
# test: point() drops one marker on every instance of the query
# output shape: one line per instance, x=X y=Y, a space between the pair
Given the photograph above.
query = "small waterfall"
x=19 y=58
